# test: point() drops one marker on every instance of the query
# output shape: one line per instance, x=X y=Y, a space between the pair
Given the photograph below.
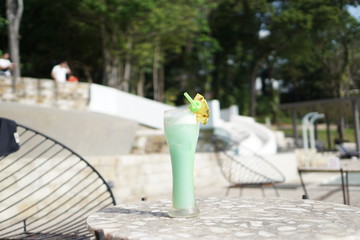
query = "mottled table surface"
x=230 y=218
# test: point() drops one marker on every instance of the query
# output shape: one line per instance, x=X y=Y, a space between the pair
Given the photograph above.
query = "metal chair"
x=345 y=152
x=248 y=170
x=47 y=190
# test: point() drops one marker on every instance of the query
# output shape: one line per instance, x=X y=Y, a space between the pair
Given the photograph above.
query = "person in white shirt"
x=58 y=73
x=5 y=65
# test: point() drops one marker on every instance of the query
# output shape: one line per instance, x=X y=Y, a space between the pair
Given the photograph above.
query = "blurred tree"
x=138 y=35
x=191 y=67
x=355 y=67
x=238 y=26
x=51 y=32
x=282 y=32
x=14 y=11
x=159 y=49
x=318 y=65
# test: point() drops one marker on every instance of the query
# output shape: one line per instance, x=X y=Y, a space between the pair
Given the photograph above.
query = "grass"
x=349 y=134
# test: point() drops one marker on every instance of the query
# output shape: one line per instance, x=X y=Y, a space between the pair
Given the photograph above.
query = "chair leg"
x=227 y=191
x=99 y=235
x=276 y=190
x=305 y=196
x=262 y=191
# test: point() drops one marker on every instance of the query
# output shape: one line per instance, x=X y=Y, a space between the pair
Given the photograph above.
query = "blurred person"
x=59 y=72
x=72 y=78
x=6 y=65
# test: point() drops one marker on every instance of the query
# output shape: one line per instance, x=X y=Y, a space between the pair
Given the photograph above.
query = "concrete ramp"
x=249 y=133
x=261 y=139
x=87 y=133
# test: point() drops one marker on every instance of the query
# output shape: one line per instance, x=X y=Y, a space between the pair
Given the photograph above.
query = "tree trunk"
x=340 y=128
x=344 y=70
x=112 y=63
x=14 y=10
x=87 y=72
x=112 y=69
x=253 y=93
x=253 y=85
x=106 y=55
x=161 y=83
x=140 y=84
x=156 y=61
x=115 y=73
x=125 y=83
x=253 y=89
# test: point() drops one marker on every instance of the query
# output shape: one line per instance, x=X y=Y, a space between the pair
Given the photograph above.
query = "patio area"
x=323 y=187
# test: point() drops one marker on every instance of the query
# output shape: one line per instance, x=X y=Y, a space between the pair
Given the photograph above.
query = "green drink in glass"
x=182 y=132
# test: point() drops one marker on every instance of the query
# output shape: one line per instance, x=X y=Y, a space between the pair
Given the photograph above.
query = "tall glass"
x=182 y=132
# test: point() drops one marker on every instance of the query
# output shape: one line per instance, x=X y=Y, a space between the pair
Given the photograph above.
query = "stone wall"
x=45 y=92
x=132 y=177
x=137 y=176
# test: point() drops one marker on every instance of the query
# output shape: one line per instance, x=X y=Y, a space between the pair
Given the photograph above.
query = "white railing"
x=142 y=110
x=112 y=101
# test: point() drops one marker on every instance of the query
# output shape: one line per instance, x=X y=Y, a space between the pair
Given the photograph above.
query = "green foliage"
x=3 y=25
x=349 y=134
x=214 y=47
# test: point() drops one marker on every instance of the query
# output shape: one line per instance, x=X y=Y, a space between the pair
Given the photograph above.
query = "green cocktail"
x=182 y=132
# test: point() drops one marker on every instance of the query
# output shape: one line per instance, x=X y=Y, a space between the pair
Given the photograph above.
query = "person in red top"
x=72 y=78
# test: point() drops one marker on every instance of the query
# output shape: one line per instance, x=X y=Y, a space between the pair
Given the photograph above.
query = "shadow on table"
x=133 y=212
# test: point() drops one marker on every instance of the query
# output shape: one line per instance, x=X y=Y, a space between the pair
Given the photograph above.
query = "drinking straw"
x=194 y=104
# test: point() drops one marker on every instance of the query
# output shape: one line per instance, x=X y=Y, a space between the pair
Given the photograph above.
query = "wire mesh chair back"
x=47 y=190
x=244 y=170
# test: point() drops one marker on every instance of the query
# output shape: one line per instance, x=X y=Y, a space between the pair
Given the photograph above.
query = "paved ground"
x=88 y=133
x=316 y=191
x=317 y=187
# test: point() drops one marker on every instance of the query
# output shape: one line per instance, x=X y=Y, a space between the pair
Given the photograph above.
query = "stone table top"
x=230 y=218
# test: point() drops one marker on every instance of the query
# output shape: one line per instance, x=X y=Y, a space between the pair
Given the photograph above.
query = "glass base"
x=184 y=212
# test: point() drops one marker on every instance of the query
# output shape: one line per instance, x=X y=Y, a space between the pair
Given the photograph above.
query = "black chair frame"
x=250 y=170
x=47 y=190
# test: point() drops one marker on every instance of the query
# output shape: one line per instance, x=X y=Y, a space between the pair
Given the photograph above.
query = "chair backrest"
x=47 y=190
x=244 y=169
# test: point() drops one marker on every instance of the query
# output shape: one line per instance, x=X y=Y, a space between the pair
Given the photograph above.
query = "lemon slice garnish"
x=202 y=115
